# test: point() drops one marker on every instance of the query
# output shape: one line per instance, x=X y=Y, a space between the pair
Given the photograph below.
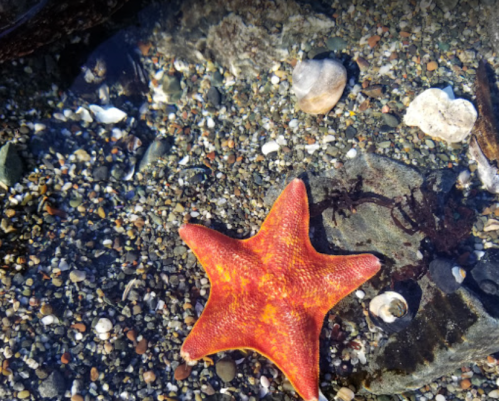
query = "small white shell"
x=109 y=115
x=104 y=325
x=459 y=274
x=345 y=394
x=383 y=304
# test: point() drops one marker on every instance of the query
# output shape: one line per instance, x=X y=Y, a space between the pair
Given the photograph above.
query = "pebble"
x=226 y=369
x=108 y=115
x=465 y=384
x=149 y=376
x=440 y=397
x=77 y=276
x=182 y=371
x=270 y=147
x=104 y=325
x=141 y=347
x=48 y=320
x=432 y=66
x=336 y=43
x=494 y=394
x=351 y=154
x=390 y=120
x=23 y=394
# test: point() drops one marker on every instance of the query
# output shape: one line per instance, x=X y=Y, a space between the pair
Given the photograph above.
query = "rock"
x=157 y=149
x=213 y=96
x=374 y=91
x=447 y=5
x=390 y=120
x=101 y=173
x=172 y=88
x=239 y=35
x=53 y=386
x=141 y=347
x=440 y=116
x=461 y=331
x=486 y=276
x=182 y=371
x=226 y=369
x=318 y=84
x=77 y=276
x=371 y=228
x=11 y=165
x=447 y=275
x=103 y=325
x=108 y=115
x=270 y=147
x=149 y=376
x=336 y=43
x=492 y=18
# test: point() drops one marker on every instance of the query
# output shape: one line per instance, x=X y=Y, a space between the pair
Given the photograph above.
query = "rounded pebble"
x=104 y=325
x=77 y=276
x=226 y=369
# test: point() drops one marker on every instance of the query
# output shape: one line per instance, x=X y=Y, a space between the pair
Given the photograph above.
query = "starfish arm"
x=216 y=330
x=285 y=226
x=226 y=260
x=339 y=276
x=289 y=337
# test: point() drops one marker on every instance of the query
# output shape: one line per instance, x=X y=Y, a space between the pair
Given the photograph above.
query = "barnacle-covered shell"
x=447 y=275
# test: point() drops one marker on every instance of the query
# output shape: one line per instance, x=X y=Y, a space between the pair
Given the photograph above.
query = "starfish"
x=271 y=292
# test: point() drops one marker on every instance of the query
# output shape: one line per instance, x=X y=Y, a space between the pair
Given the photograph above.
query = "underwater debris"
x=485 y=129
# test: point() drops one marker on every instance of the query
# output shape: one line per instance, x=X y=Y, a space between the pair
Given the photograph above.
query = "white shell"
x=48 y=320
x=269 y=147
x=439 y=116
x=104 y=325
x=109 y=115
x=459 y=273
x=345 y=394
x=318 y=84
x=380 y=305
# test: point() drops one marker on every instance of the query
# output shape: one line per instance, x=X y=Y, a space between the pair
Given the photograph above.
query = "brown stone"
x=132 y=335
x=465 y=384
x=80 y=327
x=149 y=376
x=94 y=374
x=432 y=66
x=182 y=372
x=141 y=347
x=373 y=40
x=66 y=358
x=77 y=397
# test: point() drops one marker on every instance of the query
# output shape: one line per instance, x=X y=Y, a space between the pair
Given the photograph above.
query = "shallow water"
x=164 y=113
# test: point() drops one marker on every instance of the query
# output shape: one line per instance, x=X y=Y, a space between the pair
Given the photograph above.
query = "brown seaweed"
x=485 y=129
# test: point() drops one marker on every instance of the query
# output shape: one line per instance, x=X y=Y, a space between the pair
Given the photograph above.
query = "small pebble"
x=182 y=371
x=77 y=276
x=352 y=153
x=149 y=376
x=104 y=325
x=226 y=369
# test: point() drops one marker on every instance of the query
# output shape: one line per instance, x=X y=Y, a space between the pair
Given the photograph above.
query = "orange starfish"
x=270 y=293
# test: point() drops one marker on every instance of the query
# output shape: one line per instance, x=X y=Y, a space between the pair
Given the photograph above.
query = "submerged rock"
x=485 y=129
x=441 y=116
x=157 y=149
x=319 y=84
x=246 y=37
x=447 y=332
x=11 y=166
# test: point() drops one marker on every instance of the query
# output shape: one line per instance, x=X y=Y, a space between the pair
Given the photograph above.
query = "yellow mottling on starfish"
x=270 y=292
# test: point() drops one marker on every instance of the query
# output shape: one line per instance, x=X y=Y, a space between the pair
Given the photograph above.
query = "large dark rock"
x=11 y=165
x=448 y=331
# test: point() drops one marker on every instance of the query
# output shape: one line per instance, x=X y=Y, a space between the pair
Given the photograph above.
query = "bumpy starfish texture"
x=270 y=293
